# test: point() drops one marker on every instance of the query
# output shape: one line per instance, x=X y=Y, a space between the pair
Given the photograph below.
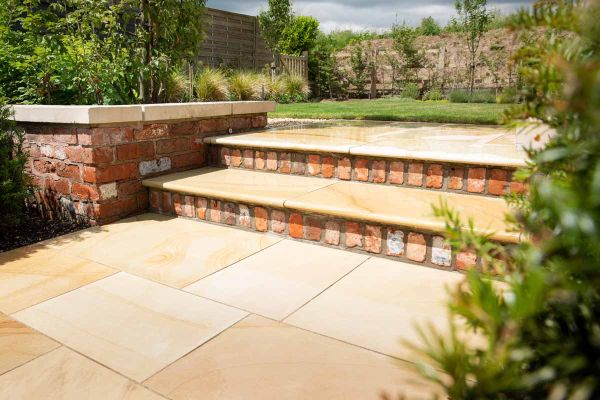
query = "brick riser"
x=451 y=177
x=394 y=242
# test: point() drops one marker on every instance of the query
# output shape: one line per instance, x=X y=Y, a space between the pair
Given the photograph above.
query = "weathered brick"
x=455 y=178
x=259 y=121
x=248 y=159
x=498 y=182
x=313 y=229
x=214 y=125
x=332 y=233
x=135 y=151
x=65 y=135
x=476 y=180
x=344 y=169
x=353 y=234
x=187 y=206
x=151 y=131
x=466 y=259
x=131 y=187
x=435 y=176
x=259 y=160
x=184 y=128
x=98 y=155
x=229 y=213
x=261 y=219
x=104 y=136
x=118 y=208
x=215 y=210
x=236 y=157
x=285 y=163
x=240 y=123
x=396 y=172
x=244 y=216
x=74 y=154
x=272 y=161
x=72 y=172
x=225 y=157
x=416 y=247
x=166 y=203
x=201 y=206
x=441 y=253
x=154 y=200
x=395 y=242
x=194 y=159
x=361 y=169
x=85 y=192
x=517 y=187
x=154 y=166
x=373 y=239
x=415 y=174
x=296 y=227
x=328 y=167
x=278 y=221
x=378 y=171
x=314 y=164
x=110 y=173
x=166 y=146
x=298 y=164
x=61 y=185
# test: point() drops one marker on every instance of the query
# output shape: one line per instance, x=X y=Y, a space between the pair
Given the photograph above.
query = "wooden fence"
x=292 y=65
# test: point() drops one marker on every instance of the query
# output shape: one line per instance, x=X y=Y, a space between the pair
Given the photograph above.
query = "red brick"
x=120 y=208
x=272 y=161
x=296 y=227
x=195 y=159
x=455 y=178
x=415 y=174
x=248 y=159
x=298 y=164
x=142 y=201
x=135 y=151
x=361 y=169
x=236 y=157
x=167 y=203
x=397 y=172
x=332 y=233
x=201 y=206
x=466 y=259
x=373 y=239
x=74 y=154
x=225 y=155
x=476 y=180
x=44 y=167
x=109 y=174
x=240 y=123
x=260 y=160
x=104 y=136
x=64 y=135
x=285 y=164
x=278 y=221
x=166 y=146
x=151 y=131
x=229 y=213
x=72 y=172
x=378 y=171
x=184 y=205
x=518 y=187
x=214 y=125
x=344 y=169
x=259 y=121
x=154 y=200
x=313 y=229
x=328 y=167
x=416 y=247
x=435 y=176
x=85 y=192
x=184 y=128
x=353 y=234
x=261 y=219
x=215 y=210
x=129 y=188
x=244 y=216
x=314 y=164
x=498 y=182
x=98 y=155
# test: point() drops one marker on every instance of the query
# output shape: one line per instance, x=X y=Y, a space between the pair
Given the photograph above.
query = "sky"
x=366 y=14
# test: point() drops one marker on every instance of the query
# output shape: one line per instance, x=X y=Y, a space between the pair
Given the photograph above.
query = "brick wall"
x=95 y=172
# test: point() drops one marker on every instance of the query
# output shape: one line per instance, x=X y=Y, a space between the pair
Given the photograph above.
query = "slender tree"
x=274 y=21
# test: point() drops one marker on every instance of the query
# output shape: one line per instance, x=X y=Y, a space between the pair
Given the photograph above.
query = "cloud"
x=365 y=14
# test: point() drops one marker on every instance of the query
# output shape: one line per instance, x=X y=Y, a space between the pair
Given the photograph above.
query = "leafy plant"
x=413 y=59
x=434 y=94
x=177 y=87
x=429 y=27
x=410 y=91
x=243 y=86
x=539 y=337
x=299 y=35
x=477 y=96
x=211 y=85
x=274 y=20
x=359 y=64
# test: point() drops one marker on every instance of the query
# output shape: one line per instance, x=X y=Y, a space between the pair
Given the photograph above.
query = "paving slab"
x=20 y=344
x=377 y=305
x=262 y=359
x=278 y=280
x=65 y=375
x=34 y=274
x=130 y=324
x=175 y=251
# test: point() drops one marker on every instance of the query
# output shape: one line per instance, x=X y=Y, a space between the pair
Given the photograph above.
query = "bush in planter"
x=244 y=86
x=211 y=85
x=435 y=94
x=177 y=87
x=410 y=91
x=14 y=187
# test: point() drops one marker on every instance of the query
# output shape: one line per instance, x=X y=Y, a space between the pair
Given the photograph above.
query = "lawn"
x=395 y=109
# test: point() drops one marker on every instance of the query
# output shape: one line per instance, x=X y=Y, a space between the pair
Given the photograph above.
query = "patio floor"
x=156 y=307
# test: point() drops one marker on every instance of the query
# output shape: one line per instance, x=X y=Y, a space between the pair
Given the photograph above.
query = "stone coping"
x=137 y=113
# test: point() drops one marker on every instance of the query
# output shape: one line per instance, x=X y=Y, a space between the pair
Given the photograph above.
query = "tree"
x=538 y=337
x=359 y=63
x=429 y=27
x=474 y=18
x=299 y=36
x=322 y=67
x=274 y=21
x=413 y=59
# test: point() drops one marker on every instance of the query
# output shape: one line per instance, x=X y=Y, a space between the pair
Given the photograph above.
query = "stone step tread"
x=466 y=144
x=385 y=205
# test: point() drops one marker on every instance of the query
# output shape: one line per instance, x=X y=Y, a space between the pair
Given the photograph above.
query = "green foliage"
x=274 y=21
x=434 y=94
x=359 y=63
x=177 y=88
x=429 y=27
x=477 y=96
x=211 y=85
x=342 y=38
x=14 y=187
x=244 y=85
x=323 y=67
x=412 y=59
x=508 y=95
x=299 y=35
x=286 y=89
x=538 y=337
x=410 y=91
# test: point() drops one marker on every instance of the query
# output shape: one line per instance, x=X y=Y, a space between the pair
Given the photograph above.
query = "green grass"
x=395 y=109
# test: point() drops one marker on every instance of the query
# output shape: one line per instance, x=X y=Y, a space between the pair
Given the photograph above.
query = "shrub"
x=211 y=85
x=243 y=86
x=177 y=87
x=296 y=87
x=13 y=180
x=478 y=96
x=508 y=96
x=434 y=94
x=410 y=91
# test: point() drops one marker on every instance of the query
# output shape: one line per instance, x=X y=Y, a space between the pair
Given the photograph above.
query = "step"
x=470 y=159
x=388 y=220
